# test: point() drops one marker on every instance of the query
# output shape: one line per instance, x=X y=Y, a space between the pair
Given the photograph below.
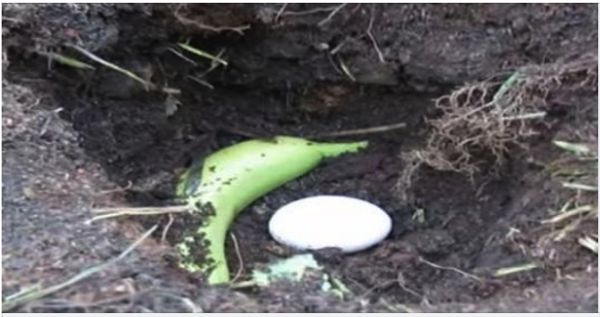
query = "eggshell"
x=330 y=221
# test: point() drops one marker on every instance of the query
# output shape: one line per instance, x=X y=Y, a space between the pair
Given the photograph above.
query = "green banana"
x=229 y=180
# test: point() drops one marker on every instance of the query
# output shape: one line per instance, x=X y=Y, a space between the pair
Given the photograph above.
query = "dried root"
x=200 y=25
x=483 y=122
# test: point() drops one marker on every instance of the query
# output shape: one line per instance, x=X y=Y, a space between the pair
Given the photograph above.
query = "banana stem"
x=337 y=149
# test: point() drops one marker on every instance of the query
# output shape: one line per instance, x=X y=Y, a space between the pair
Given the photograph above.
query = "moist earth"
x=74 y=140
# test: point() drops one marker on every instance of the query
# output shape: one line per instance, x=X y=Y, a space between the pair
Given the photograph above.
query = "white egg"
x=330 y=221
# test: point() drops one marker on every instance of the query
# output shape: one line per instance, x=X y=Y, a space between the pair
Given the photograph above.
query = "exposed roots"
x=187 y=21
x=477 y=126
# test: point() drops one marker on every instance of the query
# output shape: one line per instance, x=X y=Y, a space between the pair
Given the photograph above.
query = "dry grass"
x=29 y=294
x=577 y=171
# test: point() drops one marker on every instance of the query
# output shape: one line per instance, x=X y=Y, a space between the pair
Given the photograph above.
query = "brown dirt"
x=71 y=137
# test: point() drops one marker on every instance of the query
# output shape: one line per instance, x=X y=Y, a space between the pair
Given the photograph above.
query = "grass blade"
x=579 y=186
x=589 y=243
x=515 y=269
x=201 y=53
x=507 y=85
x=568 y=214
x=576 y=148
x=147 y=84
x=68 y=61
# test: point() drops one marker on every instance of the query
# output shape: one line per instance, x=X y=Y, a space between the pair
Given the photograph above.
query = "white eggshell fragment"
x=330 y=221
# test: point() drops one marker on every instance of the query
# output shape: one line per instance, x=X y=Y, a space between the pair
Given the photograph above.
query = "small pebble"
x=330 y=222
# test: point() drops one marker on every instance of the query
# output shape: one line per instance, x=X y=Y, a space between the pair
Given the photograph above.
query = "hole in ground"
x=127 y=130
x=135 y=141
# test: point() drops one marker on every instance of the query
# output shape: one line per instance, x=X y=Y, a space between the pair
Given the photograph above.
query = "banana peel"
x=229 y=180
x=294 y=270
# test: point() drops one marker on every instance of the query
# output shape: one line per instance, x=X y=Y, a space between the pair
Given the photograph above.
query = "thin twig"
x=201 y=82
x=280 y=12
x=564 y=232
x=130 y=294
x=589 y=243
x=213 y=65
x=185 y=58
x=202 y=53
x=345 y=69
x=515 y=269
x=375 y=45
x=383 y=284
x=335 y=66
x=31 y=296
x=97 y=59
x=371 y=130
x=463 y=273
x=48 y=305
x=238 y=29
x=148 y=85
x=143 y=211
x=26 y=290
x=240 y=270
x=575 y=148
x=311 y=11
x=568 y=214
x=116 y=190
x=526 y=116
x=579 y=186
x=163 y=236
x=131 y=213
x=69 y=61
x=507 y=85
x=161 y=210
x=334 y=12
x=338 y=47
x=402 y=283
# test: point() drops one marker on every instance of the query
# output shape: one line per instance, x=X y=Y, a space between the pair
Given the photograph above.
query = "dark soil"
x=75 y=139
